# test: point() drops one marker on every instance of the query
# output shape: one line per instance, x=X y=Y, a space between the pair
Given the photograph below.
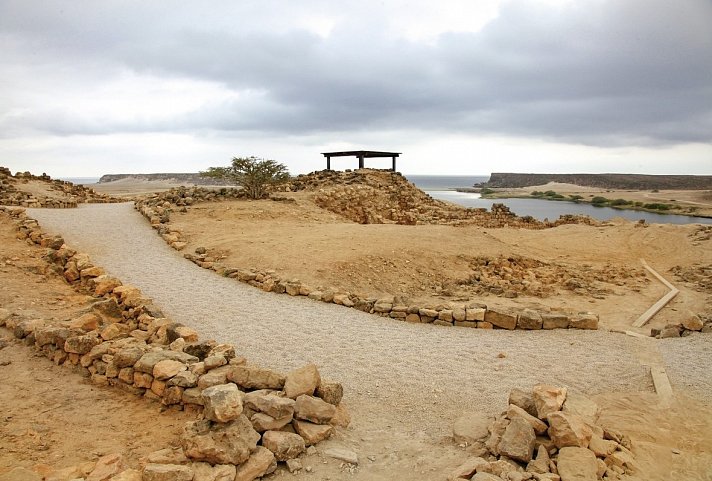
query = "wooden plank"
x=655 y=308
x=661 y=382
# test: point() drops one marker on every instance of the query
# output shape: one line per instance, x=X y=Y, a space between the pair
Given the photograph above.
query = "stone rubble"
x=540 y=438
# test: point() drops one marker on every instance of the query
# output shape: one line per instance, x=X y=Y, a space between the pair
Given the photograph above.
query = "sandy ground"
x=51 y=417
x=403 y=396
x=699 y=200
x=573 y=267
x=134 y=187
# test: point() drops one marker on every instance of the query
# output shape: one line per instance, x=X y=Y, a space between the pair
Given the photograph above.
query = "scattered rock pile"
x=547 y=434
x=685 y=328
x=250 y=417
x=61 y=194
x=699 y=277
x=369 y=196
x=510 y=276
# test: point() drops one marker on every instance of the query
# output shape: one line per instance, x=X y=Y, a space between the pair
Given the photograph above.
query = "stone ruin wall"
x=159 y=207
x=250 y=417
x=71 y=194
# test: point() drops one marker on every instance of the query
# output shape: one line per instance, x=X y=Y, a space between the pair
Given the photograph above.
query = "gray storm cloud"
x=592 y=72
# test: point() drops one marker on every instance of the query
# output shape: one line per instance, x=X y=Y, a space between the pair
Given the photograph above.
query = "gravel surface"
x=417 y=376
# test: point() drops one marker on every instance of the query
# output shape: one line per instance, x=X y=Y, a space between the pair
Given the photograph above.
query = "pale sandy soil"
x=133 y=187
x=405 y=383
x=701 y=200
x=578 y=268
x=51 y=417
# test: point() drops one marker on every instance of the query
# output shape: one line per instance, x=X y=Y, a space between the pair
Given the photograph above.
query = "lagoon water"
x=549 y=209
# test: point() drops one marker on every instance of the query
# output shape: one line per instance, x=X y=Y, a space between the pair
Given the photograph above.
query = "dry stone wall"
x=249 y=417
x=472 y=314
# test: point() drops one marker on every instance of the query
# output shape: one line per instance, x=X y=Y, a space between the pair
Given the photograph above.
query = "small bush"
x=557 y=196
x=486 y=191
x=617 y=202
x=657 y=206
x=550 y=193
x=598 y=200
x=575 y=197
x=536 y=193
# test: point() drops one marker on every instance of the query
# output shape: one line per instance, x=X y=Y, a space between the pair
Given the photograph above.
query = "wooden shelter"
x=361 y=155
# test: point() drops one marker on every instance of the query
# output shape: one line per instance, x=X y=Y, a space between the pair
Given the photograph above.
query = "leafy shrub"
x=549 y=193
x=536 y=193
x=575 y=197
x=620 y=202
x=598 y=200
x=486 y=191
x=657 y=206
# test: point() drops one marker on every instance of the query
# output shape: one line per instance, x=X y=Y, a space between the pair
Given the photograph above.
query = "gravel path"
x=415 y=375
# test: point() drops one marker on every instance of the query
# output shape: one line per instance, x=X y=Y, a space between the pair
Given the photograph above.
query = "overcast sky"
x=458 y=86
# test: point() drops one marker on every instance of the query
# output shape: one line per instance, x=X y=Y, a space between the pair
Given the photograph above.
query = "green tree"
x=252 y=174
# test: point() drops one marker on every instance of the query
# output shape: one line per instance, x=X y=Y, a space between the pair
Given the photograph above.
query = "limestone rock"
x=470 y=428
x=540 y=465
x=126 y=475
x=81 y=344
x=523 y=399
x=106 y=467
x=268 y=403
x=584 y=320
x=341 y=418
x=518 y=440
x=501 y=318
x=313 y=409
x=568 y=430
x=548 y=399
x=222 y=403
x=602 y=447
x=263 y=422
x=253 y=377
x=331 y=392
x=219 y=472
x=554 y=321
x=577 y=464
x=496 y=429
x=167 y=472
x=127 y=357
x=469 y=468
x=529 y=319
x=312 y=433
x=693 y=323
x=167 y=368
x=261 y=462
x=582 y=406
x=283 y=445
x=229 y=443
x=538 y=425
x=211 y=362
x=302 y=381
x=184 y=379
x=165 y=456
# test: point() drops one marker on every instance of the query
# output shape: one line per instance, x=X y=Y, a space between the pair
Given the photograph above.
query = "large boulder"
x=222 y=403
x=229 y=443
